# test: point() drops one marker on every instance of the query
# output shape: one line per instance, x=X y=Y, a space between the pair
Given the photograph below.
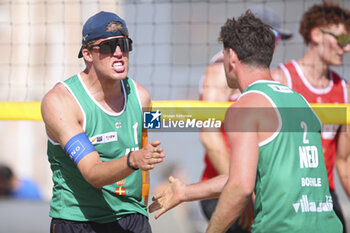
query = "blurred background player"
x=94 y=122
x=214 y=88
x=325 y=30
x=12 y=186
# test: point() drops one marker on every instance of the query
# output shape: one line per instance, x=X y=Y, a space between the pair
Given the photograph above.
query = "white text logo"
x=310 y=206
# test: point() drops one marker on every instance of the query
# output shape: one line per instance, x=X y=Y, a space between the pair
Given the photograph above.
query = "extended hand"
x=148 y=156
x=171 y=196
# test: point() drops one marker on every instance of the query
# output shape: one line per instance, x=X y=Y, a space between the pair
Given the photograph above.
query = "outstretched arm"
x=177 y=192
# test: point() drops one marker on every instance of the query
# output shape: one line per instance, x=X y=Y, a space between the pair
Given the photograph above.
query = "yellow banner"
x=177 y=109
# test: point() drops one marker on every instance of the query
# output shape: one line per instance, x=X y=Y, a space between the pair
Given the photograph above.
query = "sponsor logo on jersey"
x=104 y=138
x=118 y=125
x=306 y=206
x=280 y=88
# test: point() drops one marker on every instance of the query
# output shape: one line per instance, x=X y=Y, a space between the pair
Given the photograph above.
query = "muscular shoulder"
x=59 y=110
x=214 y=87
x=251 y=112
x=144 y=95
x=58 y=96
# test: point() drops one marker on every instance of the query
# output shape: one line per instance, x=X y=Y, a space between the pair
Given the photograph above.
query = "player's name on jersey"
x=308 y=156
x=311 y=181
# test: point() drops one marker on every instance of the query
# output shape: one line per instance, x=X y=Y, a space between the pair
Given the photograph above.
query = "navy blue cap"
x=268 y=16
x=95 y=27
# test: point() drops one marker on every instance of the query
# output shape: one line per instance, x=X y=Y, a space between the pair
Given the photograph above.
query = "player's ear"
x=87 y=55
x=233 y=57
x=316 y=35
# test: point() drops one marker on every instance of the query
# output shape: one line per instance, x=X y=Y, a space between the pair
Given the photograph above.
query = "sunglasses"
x=109 y=46
x=342 y=39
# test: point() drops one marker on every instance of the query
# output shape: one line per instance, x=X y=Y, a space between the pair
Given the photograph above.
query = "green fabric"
x=292 y=192
x=113 y=136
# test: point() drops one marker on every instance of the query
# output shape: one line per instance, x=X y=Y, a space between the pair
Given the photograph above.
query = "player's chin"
x=338 y=61
x=119 y=75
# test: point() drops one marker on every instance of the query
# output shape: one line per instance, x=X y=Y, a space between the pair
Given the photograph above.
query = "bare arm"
x=244 y=158
x=215 y=89
x=242 y=127
x=63 y=120
x=343 y=158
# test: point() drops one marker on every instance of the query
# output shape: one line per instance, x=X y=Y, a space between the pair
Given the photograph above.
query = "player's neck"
x=108 y=92
x=314 y=70
x=249 y=77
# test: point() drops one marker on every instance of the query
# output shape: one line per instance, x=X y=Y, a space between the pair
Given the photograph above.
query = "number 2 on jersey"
x=304 y=126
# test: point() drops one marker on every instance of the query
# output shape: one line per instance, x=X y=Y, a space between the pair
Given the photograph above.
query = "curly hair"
x=323 y=14
x=251 y=39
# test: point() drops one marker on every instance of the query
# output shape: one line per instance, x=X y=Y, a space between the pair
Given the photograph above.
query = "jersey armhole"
x=81 y=109
x=345 y=89
x=275 y=134
x=137 y=93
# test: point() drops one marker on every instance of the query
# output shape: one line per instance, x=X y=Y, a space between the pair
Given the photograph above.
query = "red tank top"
x=335 y=93
x=209 y=170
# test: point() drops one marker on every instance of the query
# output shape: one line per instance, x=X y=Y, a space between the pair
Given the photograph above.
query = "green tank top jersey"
x=113 y=135
x=292 y=192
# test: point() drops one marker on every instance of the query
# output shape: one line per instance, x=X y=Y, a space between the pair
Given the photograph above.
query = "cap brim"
x=285 y=34
x=80 y=52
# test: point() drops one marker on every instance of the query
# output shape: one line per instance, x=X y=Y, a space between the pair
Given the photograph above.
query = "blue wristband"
x=78 y=147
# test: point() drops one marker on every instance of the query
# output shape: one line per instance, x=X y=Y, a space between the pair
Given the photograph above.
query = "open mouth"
x=118 y=66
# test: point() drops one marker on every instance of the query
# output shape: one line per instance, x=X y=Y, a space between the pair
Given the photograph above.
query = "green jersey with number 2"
x=292 y=192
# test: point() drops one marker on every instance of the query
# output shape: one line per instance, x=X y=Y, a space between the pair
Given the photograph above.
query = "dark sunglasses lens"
x=129 y=44
x=108 y=47
x=343 y=40
x=124 y=44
